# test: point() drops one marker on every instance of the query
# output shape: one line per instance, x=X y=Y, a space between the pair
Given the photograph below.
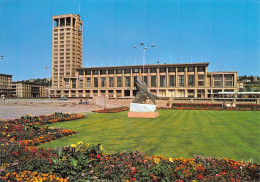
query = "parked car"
x=63 y=98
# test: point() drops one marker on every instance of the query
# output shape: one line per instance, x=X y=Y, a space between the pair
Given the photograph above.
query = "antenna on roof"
x=79 y=8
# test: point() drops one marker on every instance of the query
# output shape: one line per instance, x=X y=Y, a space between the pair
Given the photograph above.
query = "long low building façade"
x=164 y=80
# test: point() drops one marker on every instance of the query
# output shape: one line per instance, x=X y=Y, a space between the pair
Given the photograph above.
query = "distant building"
x=5 y=85
x=28 y=90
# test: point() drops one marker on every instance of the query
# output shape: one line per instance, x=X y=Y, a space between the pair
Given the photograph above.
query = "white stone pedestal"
x=135 y=107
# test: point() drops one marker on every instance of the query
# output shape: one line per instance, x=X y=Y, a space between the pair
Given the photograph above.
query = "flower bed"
x=112 y=110
x=20 y=160
x=79 y=162
x=191 y=106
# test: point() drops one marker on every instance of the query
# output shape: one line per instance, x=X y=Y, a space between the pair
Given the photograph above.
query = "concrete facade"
x=28 y=90
x=165 y=80
x=66 y=48
x=5 y=85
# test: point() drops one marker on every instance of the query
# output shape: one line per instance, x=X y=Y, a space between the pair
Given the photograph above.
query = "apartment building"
x=5 y=85
x=66 y=47
x=164 y=80
x=29 y=90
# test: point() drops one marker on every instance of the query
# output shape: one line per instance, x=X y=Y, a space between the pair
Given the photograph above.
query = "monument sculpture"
x=137 y=108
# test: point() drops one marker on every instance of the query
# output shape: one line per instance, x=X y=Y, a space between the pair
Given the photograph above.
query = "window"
x=191 y=80
x=95 y=72
x=200 y=80
x=103 y=81
x=119 y=81
x=162 y=81
x=87 y=72
x=145 y=70
x=228 y=83
x=217 y=80
x=171 y=69
x=153 y=81
x=95 y=81
x=127 y=71
x=103 y=72
x=145 y=79
x=172 y=81
x=180 y=69
x=136 y=70
x=190 y=69
x=162 y=70
x=201 y=68
x=110 y=71
x=127 y=81
x=88 y=82
x=81 y=72
x=119 y=71
x=111 y=81
x=152 y=70
x=181 y=80
x=228 y=77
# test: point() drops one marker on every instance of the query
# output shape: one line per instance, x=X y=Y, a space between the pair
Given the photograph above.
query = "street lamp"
x=143 y=49
x=46 y=67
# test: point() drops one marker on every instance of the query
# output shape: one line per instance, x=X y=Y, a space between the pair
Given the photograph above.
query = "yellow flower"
x=194 y=181
x=80 y=143
x=8 y=135
x=72 y=145
x=3 y=133
x=157 y=160
x=30 y=115
x=171 y=159
x=87 y=144
x=101 y=148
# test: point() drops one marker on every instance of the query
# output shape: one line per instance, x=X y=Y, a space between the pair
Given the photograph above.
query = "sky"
x=224 y=33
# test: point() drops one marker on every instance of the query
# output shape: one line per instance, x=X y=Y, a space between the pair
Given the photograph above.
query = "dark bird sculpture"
x=142 y=92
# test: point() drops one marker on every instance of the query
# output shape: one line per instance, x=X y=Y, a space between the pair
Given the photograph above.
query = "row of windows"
x=137 y=70
x=153 y=81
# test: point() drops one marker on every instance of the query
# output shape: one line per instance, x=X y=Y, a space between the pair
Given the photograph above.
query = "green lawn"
x=182 y=133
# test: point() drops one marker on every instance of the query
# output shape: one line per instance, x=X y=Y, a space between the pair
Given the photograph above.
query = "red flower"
x=234 y=167
x=232 y=179
x=134 y=171
x=200 y=177
x=132 y=179
x=98 y=156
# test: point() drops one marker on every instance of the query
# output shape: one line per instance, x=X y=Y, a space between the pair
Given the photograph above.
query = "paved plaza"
x=16 y=108
x=12 y=112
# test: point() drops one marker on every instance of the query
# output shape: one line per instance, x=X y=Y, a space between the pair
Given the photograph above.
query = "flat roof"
x=239 y=92
x=217 y=72
x=147 y=66
x=5 y=75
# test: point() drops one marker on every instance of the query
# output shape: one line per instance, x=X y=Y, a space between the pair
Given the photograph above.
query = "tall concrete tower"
x=66 y=47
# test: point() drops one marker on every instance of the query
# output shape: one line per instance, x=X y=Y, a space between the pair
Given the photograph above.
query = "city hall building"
x=28 y=90
x=164 y=80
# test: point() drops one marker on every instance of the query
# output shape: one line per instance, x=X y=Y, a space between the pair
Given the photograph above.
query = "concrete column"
x=167 y=78
x=186 y=77
x=195 y=92
x=157 y=78
x=176 y=77
x=205 y=77
x=223 y=81
x=196 y=76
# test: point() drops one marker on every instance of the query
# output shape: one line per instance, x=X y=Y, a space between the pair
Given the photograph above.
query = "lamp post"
x=46 y=67
x=143 y=49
